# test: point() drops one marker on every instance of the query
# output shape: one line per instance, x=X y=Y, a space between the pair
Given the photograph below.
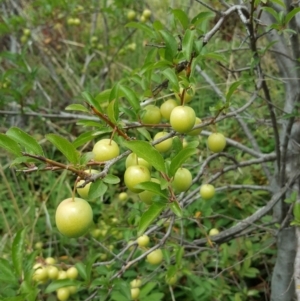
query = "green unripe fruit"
x=134 y=175
x=143 y=241
x=196 y=132
x=151 y=115
x=131 y=15
x=63 y=294
x=133 y=159
x=84 y=191
x=155 y=257
x=207 y=191
x=216 y=142
x=167 y=107
x=182 y=180
x=188 y=94
x=147 y=13
x=165 y=145
x=213 y=231
x=123 y=196
x=182 y=119
x=105 y=149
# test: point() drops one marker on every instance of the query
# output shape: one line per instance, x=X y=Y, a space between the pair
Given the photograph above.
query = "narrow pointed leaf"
x=182 y=17
x=171 y=45
x=10 y=145
x=17 y=251
x=111 y=179
x=149 y=216
x=91 y=100
x=97 y=189
x=172 y=77
x=146 y=151
x=232 y=89
x=131 y=96
x=187 y=43
x=76 y=107
x=25 y=140
x=56 y=284
x=141 y=26
x=175 y=207
x=65 y=147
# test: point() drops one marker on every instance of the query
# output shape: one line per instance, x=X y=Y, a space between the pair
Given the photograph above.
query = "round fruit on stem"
x=151 y=115
x=133 y=159
x=52 y=272
x=84 y=191
x=165 y=145
x=63 y=294
x=74 y=217
x=147 y=13
x=188 y=94
x=105 y=149
x=136 y=283
x=155 y=257
x=50 y=260
x=182 y=119
x=143 y=241
x=196 y=132
x=207 y=191
x=123 y=196
x=131 y=14
x=72 y=273
x=216 y=142
x=135 y=292
x=182 y=180
x=172 y=280
x=135 y=175
x=167 y=107
x=40 y=274
x=213 y=231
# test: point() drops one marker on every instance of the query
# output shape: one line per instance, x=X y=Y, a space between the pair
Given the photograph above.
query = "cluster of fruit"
x=26 y=34
x=145 y=16
x=47 y=269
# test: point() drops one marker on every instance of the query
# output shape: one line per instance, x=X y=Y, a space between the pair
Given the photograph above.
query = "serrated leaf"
x=111 y=179
x=84 y=138
x=65 y=147
x=172 y=77
x=142 y=27
x=131 y=96
x=10 y=145
x=232 y=89
x=171 y=45
x=6 y=272
x=27 y=141
x=187 y=44
x=149 y=216
x=181 y=17
x=147 y=152
x=97 y=189
x=18 y=247
x=56 y=284
x=180 y=158
x=76 y=107
x=153 y=187
x=92 y=101
x=175 y=207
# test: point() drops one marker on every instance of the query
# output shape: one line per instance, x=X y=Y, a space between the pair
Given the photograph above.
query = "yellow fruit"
x=40 y=275
x=165 y=145
x=188 y=94
x=133 y=159
x=84 y=191
x=143 y=241
x=135 y=292
x=136 y=283
x=72 y=273
x=182 y=119
x=167 y=107
x=63 y=294
x=105 y=149
x=196 y=132
x=131 y=14
x=50 y=260
x=74 y=217
x=155 y=257
x=52 y=272
x=134 y=175
x=216 y=142
x=123 y=196
x=147 y=13
x=207 y=191
x=182 y=180
x=213 y=231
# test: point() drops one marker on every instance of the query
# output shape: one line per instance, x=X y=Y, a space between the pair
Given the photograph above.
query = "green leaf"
x=76 y=107
x=271 y=11
x=232 y=89
x=291 y=15
x=147 y=152
x=147 y=288
x=187 y=44
x=81 y=270
x=180 y=158
x=18 y=247
x=179 y=255
x=103 y=96
x=65 y=147
x=149 y=216
x=92 y=101
x=153 y=187
x=113 y=111
x=10 y=145
x=56 y=284
x=6 y=272
x=175 y=207
x=111 y=179
x=97 y=189
x=214 y=56
x=172 y=271
x=182 y=17
x=131 y=96
x=28 y=142
x=296 y=211
x=84 y=138
x=172 y=77
x=171 y=45
x=148 y=30
x=202 y=17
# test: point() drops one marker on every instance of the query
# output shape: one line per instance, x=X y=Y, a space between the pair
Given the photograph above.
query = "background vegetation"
x=54 y=54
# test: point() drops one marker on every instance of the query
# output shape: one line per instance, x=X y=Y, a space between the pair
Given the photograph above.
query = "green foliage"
x=103 y=71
